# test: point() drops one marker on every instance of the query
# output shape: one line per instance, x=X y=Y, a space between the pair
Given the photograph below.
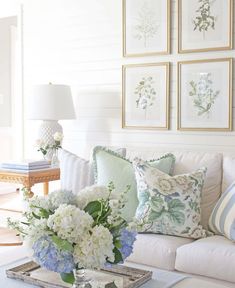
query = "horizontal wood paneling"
x=79 y=43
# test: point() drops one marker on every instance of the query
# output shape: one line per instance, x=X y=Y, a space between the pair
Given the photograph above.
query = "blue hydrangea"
x=127 y=239
x=47 y=255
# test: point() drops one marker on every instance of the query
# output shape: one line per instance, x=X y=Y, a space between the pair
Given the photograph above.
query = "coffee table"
x=13 y=256
x=197 y=283
x=185 y=283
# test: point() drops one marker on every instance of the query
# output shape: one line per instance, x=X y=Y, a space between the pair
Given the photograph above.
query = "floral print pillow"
x=169 y=204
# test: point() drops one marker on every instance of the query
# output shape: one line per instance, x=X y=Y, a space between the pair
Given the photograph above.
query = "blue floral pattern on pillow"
x=169 y=204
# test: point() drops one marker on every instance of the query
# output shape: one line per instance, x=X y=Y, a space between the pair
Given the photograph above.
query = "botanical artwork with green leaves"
x=145 y=93
x=203 y=95
x=169 y=204
x=146 y=24
x=205 y=20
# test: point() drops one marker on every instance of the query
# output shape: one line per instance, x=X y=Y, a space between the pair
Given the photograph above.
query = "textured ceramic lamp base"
x=46 y=131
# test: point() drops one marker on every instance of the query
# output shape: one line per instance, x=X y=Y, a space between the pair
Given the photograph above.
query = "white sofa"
x=211 y=258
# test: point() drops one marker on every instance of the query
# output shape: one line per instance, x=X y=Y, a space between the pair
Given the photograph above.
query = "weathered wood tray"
x=122 y=276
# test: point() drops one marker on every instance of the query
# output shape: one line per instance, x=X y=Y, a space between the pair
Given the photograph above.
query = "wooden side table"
x=29 y=178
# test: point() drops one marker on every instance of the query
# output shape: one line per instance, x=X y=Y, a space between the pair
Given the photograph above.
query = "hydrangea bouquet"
x=68 y=232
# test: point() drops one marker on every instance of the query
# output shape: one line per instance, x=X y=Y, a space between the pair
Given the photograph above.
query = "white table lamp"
x=50 y=103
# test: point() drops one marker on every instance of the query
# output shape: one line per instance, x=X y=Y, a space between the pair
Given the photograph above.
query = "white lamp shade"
x=51 y=102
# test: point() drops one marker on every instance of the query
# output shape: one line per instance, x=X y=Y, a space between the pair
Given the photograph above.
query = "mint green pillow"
x=110 y=166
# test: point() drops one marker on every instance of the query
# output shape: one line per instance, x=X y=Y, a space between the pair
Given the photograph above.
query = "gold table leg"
x=28 y=191
x=45 y=188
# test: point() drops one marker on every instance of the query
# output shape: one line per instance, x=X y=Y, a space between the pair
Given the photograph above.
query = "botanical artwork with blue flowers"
x=205 y=94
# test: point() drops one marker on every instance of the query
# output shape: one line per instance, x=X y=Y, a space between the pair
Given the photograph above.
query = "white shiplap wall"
x=79 y=43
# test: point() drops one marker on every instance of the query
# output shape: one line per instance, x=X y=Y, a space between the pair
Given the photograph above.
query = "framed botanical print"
x=205 y=95
x=205 y=25
x=146 y=27
x=145 y=100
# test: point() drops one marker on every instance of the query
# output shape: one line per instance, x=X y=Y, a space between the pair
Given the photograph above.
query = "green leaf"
x=25 y=223
x=62 y=244
x=154 y=215
x=156 y=204
x=117 y=244
x=117 y=256
x=175 y=205
x=67 y=277
x=177 y=217
x=36 y=216
x=44 y=213
x=93 y=208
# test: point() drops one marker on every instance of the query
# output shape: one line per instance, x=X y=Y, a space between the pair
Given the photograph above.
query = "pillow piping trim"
x=103 y=148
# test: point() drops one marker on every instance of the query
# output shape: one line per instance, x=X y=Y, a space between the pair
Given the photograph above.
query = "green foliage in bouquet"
x=67 y=232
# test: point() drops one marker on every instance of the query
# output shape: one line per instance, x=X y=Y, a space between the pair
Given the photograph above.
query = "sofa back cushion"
x=228 y=171
x=187 y=162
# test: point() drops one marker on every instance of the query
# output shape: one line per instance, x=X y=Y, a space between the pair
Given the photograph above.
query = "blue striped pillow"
x=222 y=219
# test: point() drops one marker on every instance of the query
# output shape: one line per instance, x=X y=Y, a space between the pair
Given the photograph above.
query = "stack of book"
x=26 y=165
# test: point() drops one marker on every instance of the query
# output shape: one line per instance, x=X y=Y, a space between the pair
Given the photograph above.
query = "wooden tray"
x=123 y=277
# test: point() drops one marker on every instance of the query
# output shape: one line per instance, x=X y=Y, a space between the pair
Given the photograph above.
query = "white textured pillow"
x=75 y=172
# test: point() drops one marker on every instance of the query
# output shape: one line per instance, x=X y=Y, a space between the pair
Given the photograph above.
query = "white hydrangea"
x=58 y=197
x=36 y=230
x=93 y=250
x=37 y=201
x=70 y=223
x=90 y=194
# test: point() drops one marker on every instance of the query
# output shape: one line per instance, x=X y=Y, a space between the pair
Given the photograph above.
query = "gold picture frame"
x=202 y=105
x=135 y=45
x=196 y=36
x=145 y=96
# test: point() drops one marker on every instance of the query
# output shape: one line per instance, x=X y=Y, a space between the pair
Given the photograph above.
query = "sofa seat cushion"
x=157 y=250
x=212 y=257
